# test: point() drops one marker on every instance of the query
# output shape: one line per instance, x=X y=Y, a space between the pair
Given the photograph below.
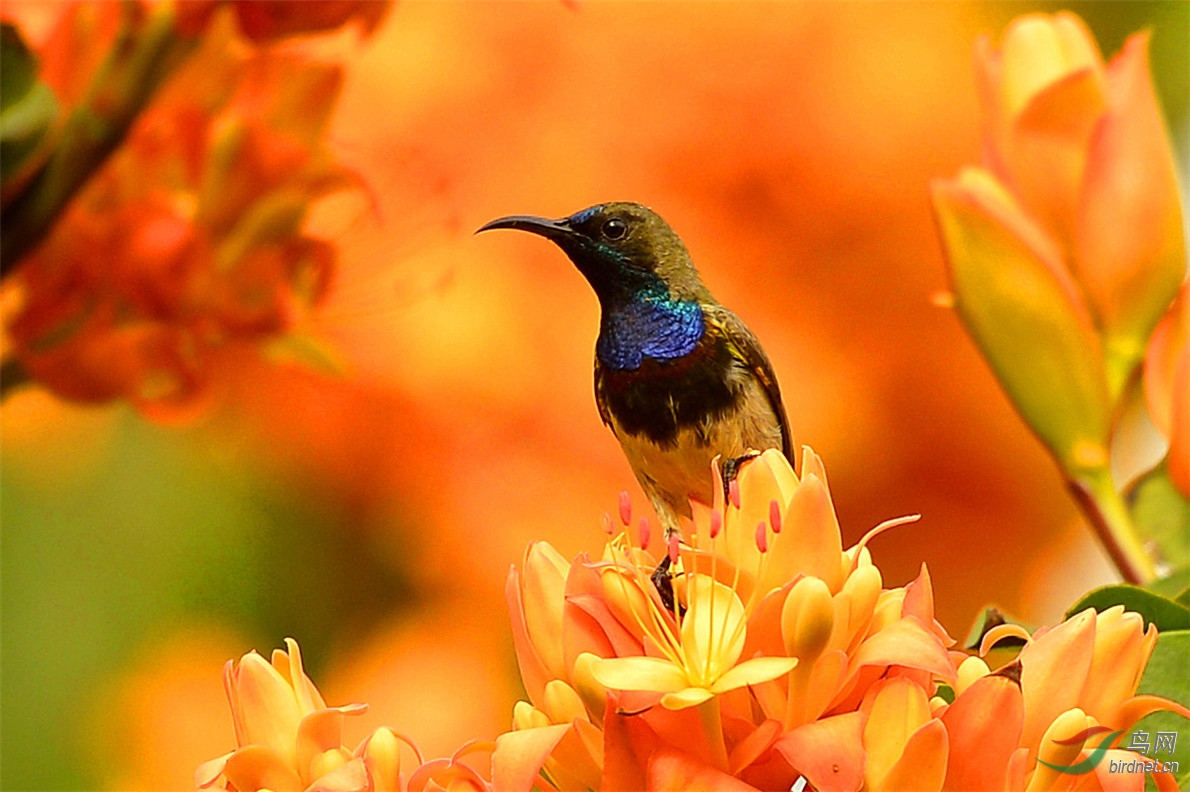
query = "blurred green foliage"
x=162 y=533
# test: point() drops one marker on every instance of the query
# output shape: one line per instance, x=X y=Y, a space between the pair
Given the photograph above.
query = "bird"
x=679 y=378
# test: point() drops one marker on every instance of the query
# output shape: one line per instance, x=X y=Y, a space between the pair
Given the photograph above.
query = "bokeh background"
x=374 y=516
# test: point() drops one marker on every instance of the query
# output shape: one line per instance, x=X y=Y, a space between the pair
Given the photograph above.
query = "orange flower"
x=188 y=241
x=288 y=738
x=753 y=677
x=1066 y=248
x=1068 y=684
x=745 y=681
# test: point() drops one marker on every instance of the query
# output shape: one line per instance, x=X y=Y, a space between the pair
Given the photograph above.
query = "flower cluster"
x=782 y=660
x=783 y=657
x=289 y=740
x=188 y=240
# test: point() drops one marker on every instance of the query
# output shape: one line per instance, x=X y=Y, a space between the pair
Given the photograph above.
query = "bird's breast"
x=648 y=328
x=660 y=398
x=670 y=444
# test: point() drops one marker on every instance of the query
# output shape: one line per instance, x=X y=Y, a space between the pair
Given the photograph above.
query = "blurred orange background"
x=374 y=517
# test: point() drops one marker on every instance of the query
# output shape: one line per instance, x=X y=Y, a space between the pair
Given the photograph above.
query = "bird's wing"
x=600 y=398
x=747 y=350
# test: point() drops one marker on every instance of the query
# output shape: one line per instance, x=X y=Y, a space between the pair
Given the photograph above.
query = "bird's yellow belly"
x=674 y=474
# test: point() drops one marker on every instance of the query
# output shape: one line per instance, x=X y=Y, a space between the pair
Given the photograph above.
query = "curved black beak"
x=556 y=230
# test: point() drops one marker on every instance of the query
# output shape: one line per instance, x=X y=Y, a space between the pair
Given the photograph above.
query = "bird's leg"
x=731 y=470
x=663 y=580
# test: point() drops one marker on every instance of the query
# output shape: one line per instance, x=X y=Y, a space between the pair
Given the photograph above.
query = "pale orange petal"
x=810 y=525
x=1130 y=248
x=922 y=766
x=261 y=767
x=519 y=756
x=672 y=770
x=828 y=752
x=1048 y=666
x=905 y=642
x=984 y=726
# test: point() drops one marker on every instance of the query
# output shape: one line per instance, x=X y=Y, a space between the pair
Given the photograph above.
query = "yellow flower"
x=700 y=659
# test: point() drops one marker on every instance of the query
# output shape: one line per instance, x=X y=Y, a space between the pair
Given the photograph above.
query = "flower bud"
x=807 y=618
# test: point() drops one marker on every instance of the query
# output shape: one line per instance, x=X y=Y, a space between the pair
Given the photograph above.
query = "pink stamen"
x=775 y=516
x=733 y=492
x=625 y=508
x=716 y=523
x=644 y=533
x=607 y=524
x=762 y=536
x=673 y=549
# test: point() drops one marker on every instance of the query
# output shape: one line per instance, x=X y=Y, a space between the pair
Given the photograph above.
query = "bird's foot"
x=731 y=470
x=663 y=581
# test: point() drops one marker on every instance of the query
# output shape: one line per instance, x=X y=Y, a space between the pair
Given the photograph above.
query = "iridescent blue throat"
x=648 y=325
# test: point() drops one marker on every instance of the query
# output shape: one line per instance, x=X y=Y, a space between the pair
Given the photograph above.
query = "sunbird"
x=679 y=378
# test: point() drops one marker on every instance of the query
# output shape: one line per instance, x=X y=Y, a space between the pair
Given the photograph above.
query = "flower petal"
x=519 y=756
x=753 y=672
x=543 y=580
x=984 y=725
x=322 y=731
x=1130 y=249
x=266 y=708
x=672 y=769
x=261 y=767
x=688 y=697
x=896 y=709
x=905 y=642
x=812 y=529
x=1026 y=317
x=829 y=752
x=922 y=765
x=349 y=777
x=639 y=673
x=713 y=629
x=1048 y=664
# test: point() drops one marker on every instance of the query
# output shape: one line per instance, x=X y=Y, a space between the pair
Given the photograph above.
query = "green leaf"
x=1162 y=516
x=1156 y=609
x=27 y=106
x=1166 y=676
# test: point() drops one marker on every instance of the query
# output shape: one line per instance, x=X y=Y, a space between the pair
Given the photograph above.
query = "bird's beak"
x=557 y=230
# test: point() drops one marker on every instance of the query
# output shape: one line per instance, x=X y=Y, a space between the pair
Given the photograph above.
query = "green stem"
x=145 y=52
x=1104 y=507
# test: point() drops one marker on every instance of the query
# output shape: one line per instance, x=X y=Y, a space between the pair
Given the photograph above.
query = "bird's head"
x=623 y=249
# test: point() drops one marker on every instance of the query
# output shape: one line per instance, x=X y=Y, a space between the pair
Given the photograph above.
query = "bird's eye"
x=615 y=228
